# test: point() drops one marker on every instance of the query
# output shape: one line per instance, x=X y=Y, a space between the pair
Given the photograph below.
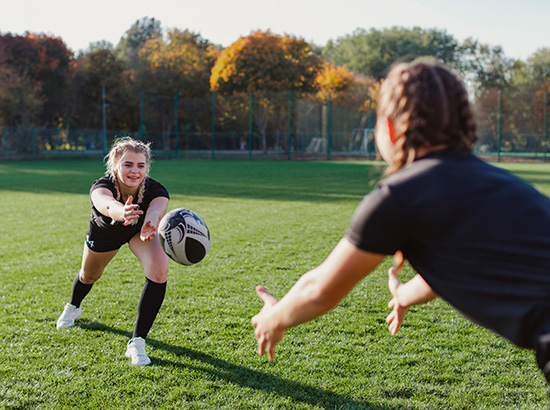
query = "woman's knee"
x=88 y=278
x=93 y=265
x=158 y=272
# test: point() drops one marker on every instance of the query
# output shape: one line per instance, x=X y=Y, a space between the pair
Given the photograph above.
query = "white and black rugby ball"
x=184 y=236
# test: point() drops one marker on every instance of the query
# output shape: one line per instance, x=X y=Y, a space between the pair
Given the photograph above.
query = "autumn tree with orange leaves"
x=265 y=62
x=332 y=80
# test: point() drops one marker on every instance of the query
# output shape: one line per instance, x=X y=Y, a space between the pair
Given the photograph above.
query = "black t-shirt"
x=153 y=189
x=478 y=235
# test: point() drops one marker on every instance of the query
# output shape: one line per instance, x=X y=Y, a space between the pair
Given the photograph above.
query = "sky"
x=520 y=27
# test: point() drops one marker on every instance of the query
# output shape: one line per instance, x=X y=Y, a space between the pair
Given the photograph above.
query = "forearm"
x=324 y=287
x=108 y=206
x=303 y=302
x=157 y=209
x=314 y=294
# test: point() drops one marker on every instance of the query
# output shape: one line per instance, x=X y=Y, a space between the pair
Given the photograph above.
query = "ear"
x=390 y=129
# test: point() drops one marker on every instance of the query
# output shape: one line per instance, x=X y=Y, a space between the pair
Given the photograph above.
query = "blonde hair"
x=428 y=106
x=118 y=149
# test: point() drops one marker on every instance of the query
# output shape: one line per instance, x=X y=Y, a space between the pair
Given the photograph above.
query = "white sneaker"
x=69 y=315
x=136 y=352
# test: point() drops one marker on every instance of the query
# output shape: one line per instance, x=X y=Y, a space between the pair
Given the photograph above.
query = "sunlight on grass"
x=270 y=222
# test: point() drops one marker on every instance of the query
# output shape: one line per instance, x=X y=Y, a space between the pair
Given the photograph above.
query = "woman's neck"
x=124 y=191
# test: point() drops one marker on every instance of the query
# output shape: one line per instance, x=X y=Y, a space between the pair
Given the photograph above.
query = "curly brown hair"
x=428 y=106
x=112 y=161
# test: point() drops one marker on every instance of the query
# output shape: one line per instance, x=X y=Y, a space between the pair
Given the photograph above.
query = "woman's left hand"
x=148 y=231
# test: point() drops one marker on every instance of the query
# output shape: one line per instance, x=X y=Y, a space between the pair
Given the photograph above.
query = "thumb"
x=265 y=296
x=393 y=281
x=129 y=200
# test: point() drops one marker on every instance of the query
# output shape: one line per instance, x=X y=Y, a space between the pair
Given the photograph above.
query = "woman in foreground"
x=478 y=236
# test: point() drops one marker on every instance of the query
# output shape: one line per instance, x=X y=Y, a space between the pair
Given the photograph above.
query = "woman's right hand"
x=267 y=334
x=395 y=318
x=131 y=212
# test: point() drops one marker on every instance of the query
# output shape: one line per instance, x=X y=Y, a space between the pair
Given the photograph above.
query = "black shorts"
x=104 y=240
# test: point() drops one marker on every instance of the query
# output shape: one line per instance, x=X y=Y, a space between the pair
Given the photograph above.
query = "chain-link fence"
x=287 y=125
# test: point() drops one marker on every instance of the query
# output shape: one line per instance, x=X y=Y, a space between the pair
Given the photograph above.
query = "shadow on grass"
x=245 y=377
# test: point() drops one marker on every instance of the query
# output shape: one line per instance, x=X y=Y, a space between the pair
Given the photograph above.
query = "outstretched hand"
x=148 y=231
x=131 y=212
x=267 y=333
x=395 y=318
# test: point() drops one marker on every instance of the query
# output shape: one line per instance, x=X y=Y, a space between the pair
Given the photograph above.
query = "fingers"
x=261 y=292
x=270 y=351
x=131 y=211
x=261 y=345
x=265 y=335
x=394 y=322
x=148 y=231
x=391 y=317
x=393 y=328
x=260 y=337
x=265 y=345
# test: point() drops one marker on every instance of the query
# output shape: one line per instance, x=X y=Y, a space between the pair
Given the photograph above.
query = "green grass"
x=270 y=222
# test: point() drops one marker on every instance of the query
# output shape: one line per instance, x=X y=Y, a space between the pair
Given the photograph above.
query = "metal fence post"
x=250 y=124
x=141 y=116
x=369 y=126
x=6 y=144
x=176 y=123
x=33 y=137
x=103 y=109
x=329 y=124
x=213 y=123
x=545 y=123
x=289 y=145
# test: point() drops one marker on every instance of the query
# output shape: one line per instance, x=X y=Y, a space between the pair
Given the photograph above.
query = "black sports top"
x=153 y=189
x=477 y=234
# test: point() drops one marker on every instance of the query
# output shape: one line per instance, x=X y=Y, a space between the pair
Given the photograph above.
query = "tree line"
x=44 y=84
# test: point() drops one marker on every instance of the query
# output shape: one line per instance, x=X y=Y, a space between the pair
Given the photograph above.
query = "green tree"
x=180 y=64
x=372 y=52
x=485 y=66
x=97 y=67
x=135 y=38
x=538 y=65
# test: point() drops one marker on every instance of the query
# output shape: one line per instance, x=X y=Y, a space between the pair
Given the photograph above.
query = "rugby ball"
x=184 y=236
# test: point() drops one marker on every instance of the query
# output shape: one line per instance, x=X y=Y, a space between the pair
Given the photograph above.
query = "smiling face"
x=131 y=171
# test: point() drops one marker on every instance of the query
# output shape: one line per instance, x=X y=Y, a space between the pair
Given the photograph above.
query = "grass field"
x=270 y=222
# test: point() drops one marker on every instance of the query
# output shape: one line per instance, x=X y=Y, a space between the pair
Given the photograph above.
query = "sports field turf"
x=270 y=222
